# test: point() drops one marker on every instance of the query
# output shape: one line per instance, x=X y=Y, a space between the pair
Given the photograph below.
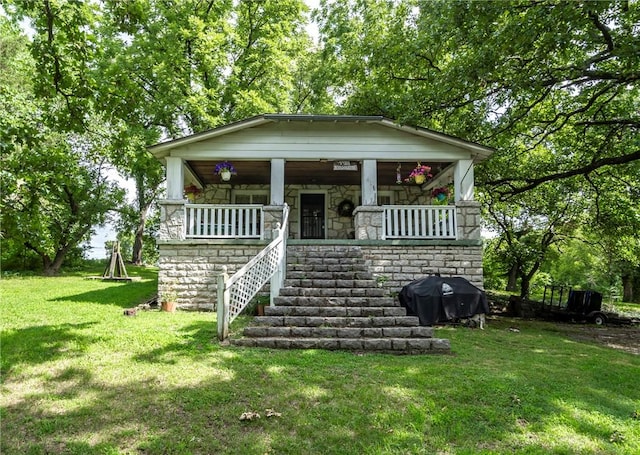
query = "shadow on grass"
x=197 y=341
x=331 y=402
x=124 y=295
x=43 y=343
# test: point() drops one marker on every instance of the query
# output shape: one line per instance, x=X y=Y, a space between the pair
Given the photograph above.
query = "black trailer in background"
x=578 y=306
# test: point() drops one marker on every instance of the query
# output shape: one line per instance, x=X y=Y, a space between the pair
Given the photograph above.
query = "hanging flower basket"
x=225 y=170
x=191 y=192
x=419 y=175
x=441 y=195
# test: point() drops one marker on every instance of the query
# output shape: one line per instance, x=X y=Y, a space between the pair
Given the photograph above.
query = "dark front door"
x=312 y=216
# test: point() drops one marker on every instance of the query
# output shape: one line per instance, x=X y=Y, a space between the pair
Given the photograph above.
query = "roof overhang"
x=163 y=149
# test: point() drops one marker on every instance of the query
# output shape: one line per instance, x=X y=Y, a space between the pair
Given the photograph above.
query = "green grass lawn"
x=78 y=377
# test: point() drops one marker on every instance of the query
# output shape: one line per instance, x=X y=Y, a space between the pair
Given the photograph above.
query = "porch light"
x=225 y=170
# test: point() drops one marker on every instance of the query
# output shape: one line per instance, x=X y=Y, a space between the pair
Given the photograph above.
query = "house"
x=342 y=180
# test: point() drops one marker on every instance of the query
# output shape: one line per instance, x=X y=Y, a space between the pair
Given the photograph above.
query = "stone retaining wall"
x=397 y=265
x=191 y=268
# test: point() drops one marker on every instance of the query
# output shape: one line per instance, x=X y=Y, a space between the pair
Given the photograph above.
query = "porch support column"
x=175 y=178
x=369 y=182
x=463 y=180
x=277 y=181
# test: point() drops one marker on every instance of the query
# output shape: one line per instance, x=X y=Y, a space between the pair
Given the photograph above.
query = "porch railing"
x=419 y=222
x=207 y=221
x=235 y=292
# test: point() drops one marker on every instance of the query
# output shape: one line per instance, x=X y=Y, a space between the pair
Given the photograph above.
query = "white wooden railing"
x=235 y=292
x=419 y=222
x=207 y=221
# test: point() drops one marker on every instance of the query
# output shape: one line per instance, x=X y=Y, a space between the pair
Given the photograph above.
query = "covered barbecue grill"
x=437 y=299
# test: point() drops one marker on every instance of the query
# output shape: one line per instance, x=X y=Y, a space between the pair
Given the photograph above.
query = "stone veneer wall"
x=396 y=265
x=191 y=268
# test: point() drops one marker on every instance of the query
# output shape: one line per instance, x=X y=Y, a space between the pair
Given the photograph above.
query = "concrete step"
x=329 y=275
x=330 y=300
x=331 y=283
x=331 y=292
x=330 y=321
x=324 y=301
x=326 y=268
x=324 y=261
x=377 y=345
x=303 y=253
x=338 y=332
x=334 y=311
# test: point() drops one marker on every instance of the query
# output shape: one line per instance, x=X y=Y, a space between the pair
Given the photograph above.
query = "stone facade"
x=400 y=263
x=368 y=222
x=190 y=267
x=468 y=220
x=171 y=220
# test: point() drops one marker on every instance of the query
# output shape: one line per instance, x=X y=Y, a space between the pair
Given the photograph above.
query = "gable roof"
x=162 y=149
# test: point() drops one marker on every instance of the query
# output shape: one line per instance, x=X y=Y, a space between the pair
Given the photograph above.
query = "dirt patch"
x=624 y=338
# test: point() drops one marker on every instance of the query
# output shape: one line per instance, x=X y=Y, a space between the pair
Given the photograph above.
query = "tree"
x=561 y=75
x=54 y=186
x=154 y=69
x=55 y=190
x=553 y=87
x=527 y=230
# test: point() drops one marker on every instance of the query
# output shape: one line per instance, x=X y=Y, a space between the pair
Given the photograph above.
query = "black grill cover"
x=437 y=299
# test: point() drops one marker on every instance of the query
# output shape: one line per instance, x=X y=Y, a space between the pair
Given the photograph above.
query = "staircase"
x=331 y=301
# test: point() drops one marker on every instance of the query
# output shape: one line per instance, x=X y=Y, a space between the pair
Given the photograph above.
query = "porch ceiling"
x=304 y=172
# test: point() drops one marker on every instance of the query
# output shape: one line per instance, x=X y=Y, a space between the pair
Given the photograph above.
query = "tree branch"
x=583 y=170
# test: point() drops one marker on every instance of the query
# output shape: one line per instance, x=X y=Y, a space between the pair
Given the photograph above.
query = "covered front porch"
x=344 y=182
x=370 y=201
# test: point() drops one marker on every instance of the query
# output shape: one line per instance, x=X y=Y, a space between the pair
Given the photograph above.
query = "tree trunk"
x=143 y=207
x=525 y=280
x=138 y=242
x=635 y=296
x=627 y=287
x=512 y=283
x=52 y=268
x=525 y=286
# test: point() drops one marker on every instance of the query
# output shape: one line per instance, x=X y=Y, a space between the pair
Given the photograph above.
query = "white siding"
x=316 y=140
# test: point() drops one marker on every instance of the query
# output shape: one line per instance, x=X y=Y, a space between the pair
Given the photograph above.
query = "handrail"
x=235 y=292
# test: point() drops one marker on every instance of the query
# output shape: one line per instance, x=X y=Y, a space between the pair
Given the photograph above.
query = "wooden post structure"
x=116 y=269
x=223 y=305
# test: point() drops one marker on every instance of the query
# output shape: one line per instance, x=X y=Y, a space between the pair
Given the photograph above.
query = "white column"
x=277 y=181
x=369 y=182
x=463 y=180
x=175 y=178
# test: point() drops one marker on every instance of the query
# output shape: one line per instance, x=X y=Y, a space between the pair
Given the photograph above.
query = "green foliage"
x=150 y=69
x=528 y=227
x=54 y=187
x=552 y=86
x=54 y=192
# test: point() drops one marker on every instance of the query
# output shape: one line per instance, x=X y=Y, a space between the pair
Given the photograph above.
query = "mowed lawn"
x=79 y=377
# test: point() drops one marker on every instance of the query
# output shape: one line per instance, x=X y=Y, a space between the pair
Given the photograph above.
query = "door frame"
x=302 y=192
